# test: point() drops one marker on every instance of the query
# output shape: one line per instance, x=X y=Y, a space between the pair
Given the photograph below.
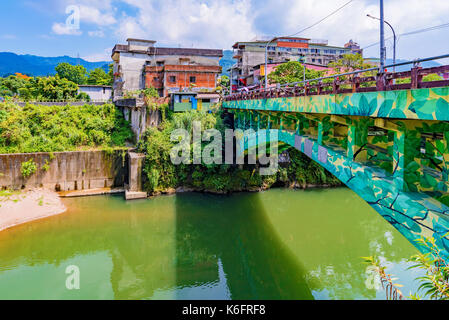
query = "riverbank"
x=19 y=207
x=292 y=186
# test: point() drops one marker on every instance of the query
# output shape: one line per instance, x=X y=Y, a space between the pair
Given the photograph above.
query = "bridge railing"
x=367 y=80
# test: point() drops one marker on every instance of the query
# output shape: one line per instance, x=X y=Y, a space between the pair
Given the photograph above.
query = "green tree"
x=54 y=88
x=350 y=62
x=99 y=77
x=292 y=71
x=12 y=84
x=76 y=74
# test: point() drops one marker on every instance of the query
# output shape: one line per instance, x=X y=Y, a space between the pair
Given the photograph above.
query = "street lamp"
x=266 y=62
x=394 y=39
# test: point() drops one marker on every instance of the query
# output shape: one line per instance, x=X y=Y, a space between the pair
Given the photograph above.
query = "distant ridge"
x=11 y=63
x=427 y=64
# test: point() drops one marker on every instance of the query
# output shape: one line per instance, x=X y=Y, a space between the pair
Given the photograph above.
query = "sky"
x=48 y=27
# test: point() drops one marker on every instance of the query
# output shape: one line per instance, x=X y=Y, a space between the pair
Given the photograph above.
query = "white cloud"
x=211 y=24
x=8 y=36
x=94 y=15
x=97 y=33
x=282 y=17
x=99 y=56
x=63 y=29
x=220 y=23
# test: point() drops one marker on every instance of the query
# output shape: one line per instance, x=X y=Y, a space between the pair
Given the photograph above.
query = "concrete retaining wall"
x=67 y=171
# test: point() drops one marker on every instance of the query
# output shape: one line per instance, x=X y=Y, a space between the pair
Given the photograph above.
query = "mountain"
x=227 y=62
x=427 y=64
x=11 y=63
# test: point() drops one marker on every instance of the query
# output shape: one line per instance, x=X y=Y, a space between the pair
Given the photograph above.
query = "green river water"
x=279 y=244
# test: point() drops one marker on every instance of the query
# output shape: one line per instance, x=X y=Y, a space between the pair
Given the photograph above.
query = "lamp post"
x=303 y=61
x=394 y=39
x=382 y=38
x=266 y=62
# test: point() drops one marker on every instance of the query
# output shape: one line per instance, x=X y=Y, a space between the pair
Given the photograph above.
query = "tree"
x=76 y=74
x=99 y=77
x=54 y=88
x=292 y=71
x=223 y=82
x=12 y=84
x=350 y=62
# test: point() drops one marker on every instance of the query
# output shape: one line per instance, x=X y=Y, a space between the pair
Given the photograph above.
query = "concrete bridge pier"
x=134 y=190
x=399 y=159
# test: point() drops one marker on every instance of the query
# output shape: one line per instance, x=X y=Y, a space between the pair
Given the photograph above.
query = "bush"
x=61 y=128
x=28 y=168
x=160 y=174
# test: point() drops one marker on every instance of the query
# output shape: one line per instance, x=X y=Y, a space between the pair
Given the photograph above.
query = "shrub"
x=28 y=168
x=61 y=128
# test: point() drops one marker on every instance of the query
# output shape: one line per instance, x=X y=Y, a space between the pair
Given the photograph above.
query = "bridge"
x=386 y=139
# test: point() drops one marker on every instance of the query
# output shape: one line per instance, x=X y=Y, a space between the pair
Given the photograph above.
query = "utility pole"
x=230 y=83
x=266 y=62
x=382 y=37
x=394 y=39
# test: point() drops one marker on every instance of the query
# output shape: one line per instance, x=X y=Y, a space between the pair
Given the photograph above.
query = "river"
x=278 y=244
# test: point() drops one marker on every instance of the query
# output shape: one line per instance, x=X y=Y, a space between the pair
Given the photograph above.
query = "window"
x=192 y=79
x=173 y=79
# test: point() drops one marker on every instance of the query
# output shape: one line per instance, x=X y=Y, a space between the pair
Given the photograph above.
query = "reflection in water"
x=279 y=244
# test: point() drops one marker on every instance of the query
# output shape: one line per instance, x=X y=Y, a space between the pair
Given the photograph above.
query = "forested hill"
x=11 y=63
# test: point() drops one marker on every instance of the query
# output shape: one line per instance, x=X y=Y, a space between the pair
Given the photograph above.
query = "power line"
x=441 y=26
x=318 y=22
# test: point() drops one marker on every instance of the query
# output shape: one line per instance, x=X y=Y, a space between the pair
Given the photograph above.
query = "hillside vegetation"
x=61 y=128
x=160 y=174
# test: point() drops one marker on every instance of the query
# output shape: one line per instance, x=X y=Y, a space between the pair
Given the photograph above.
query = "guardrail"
x=352 y=82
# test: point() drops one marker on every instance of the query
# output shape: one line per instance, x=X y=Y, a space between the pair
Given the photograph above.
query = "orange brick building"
x=179 y=77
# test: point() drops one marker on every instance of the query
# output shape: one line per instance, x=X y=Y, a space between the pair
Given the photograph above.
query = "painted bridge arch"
x=414 y=215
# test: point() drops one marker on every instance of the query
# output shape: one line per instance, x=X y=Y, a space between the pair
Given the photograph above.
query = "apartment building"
x=140 y=64
x=250 y=55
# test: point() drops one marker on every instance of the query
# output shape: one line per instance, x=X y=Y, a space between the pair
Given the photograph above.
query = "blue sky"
x=39 y=27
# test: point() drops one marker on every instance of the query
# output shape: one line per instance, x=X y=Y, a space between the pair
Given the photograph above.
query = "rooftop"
x=140 y=40
x=170 y=51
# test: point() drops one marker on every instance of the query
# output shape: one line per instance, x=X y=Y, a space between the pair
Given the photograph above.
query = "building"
x=140 y=64
x=97 y=93
x=354 y=46
x=280 y=50
x=170 y=78
x=186 y=101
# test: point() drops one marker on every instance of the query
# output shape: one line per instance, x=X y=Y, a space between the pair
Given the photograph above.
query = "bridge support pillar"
x=298 y=127
x=320 y=133
x=250 y=115
x=244 y=120
x=445 y=173
x=357 y=139
x=269 y=122
x=399 y=159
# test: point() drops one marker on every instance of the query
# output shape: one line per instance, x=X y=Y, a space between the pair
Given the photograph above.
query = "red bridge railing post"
x=416 y=78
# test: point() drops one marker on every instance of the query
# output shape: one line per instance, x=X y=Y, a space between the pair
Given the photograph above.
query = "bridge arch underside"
x=413 y=214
